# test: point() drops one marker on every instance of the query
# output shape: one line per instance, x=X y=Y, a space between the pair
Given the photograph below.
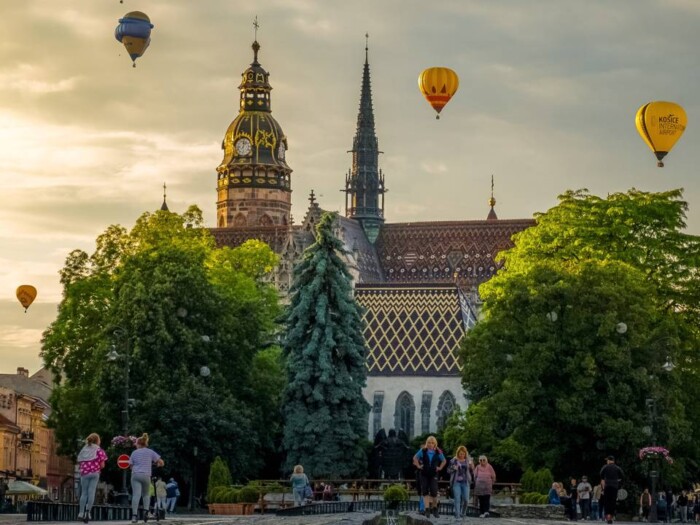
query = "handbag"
x=308 y=493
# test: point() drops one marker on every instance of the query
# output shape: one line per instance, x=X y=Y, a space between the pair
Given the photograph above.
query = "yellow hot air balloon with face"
x=26 y=294
x=661 y=124
x=438 y=85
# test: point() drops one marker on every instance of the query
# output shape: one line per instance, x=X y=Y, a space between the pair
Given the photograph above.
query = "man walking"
x=611 y=479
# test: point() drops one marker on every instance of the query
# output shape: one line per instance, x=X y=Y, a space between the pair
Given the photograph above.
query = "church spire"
x=164 y=206
x=364 y=183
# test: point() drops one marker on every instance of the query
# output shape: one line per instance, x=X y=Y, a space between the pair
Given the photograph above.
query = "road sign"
x=123 y=461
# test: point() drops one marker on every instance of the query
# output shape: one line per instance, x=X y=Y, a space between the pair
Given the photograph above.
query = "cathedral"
x=417 y=281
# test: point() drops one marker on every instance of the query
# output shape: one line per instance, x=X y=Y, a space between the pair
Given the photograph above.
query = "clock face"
x=281 y=152
x=243 y=146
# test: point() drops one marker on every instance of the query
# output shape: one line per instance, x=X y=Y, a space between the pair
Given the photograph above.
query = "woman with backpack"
x=429 y=461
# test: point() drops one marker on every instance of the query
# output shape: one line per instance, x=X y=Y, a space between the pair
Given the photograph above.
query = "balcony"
x=26 y=437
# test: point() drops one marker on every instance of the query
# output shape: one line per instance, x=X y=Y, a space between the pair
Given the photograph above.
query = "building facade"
x=418 y=281
x=27 y=446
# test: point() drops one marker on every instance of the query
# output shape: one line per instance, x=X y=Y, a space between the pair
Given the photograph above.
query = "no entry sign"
x=123 y=461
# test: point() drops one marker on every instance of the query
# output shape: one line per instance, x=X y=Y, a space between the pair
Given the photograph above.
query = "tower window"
x=446 y=406
x=404 y=417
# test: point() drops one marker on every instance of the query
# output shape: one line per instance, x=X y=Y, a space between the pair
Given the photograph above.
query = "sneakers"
x=87 y=517
x=135 y=519
x=482 y=515
x=80 y=517
x=486 y=514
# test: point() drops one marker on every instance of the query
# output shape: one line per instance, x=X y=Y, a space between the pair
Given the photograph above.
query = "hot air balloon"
x=26 y=294
x=661 y=124
x=438 y=85
x=134 y=31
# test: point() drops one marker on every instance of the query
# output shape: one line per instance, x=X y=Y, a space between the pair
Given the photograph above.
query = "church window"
x=425 y=411
x=240 y=220
x=404 y=417
x=446 y=405
x=377 y=412
x=265 y=220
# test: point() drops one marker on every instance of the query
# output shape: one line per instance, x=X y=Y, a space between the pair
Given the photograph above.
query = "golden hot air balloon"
x=661 y=124
x=438 y=85
x=26 y=294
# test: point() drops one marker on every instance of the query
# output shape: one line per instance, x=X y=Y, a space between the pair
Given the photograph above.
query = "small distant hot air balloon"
x=134 y=31
x=438 y=85
x=661 y=124
x=26 y=294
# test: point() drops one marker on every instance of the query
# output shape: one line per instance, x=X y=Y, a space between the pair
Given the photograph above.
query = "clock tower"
x=253 y=179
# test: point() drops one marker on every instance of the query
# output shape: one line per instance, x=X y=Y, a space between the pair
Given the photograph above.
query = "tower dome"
x=254 y=185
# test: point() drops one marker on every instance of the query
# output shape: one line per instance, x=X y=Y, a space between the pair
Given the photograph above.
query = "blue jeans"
x=88 y=486
x=298 y=495
x=460 y=491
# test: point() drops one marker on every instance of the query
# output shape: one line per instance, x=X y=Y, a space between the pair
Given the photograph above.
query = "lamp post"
x=113 y=356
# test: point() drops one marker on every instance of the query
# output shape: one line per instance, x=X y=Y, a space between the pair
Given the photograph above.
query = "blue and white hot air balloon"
x=134 y=31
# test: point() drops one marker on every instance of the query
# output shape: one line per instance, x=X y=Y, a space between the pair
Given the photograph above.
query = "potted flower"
x=654 y=453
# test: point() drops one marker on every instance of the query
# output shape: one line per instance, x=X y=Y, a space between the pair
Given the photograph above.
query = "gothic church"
x=417 y=281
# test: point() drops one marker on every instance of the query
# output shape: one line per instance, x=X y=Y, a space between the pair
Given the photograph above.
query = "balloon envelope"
x=438 y=85
x=134 y=31
x=661 y=124
x=26 y=294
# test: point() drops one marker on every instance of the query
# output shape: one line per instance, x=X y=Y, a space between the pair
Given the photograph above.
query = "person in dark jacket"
x=611 y=477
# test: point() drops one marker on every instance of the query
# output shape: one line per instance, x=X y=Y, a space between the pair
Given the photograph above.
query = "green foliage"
x=219 y=476
x=166 y=297
x=249 y=494
x=395 y=493
x=538 y=482
x=324 y=410
x=554 y=379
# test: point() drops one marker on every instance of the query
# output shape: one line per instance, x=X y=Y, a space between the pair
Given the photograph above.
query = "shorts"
x=429 y=486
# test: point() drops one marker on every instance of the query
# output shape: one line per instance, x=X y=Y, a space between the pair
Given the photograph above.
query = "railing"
x=49 y=511
x=336 y=507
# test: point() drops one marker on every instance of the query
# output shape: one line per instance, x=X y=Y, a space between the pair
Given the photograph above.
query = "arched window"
x=240 y=220
x=265 y=220
x=446 y=406
x=404 y=417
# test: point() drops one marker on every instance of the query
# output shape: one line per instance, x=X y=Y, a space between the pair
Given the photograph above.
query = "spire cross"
x=492 y=185
x=312 y=197
x=164 y=189
x=366 y=47
x=255 y=26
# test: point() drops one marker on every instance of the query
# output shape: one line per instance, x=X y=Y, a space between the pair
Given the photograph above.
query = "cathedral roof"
x=444 y=251
x=412 y=330
x=361 y=249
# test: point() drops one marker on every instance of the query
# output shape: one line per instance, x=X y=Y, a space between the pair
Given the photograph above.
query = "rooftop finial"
x=366 y=48
x=312 y=197
x=256 y=46
x=164 y=206
x=492 y=202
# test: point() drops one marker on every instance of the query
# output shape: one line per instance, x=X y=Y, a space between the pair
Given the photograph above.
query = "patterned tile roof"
x=412 y=330
x=422 y=252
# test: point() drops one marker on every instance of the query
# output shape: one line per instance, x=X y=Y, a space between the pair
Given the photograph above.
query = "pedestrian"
x=172 y=491
x=572 y=491
x=91 y=459
x=597 y=502
x=484 y=478
x=553 y=495
x=429 y=461
x=645 y=504
x=584 y=497
x=682 y=504
x=611 y=477
x=299 y=483
x=141 y=461
x=461 y=466
x=161 y=495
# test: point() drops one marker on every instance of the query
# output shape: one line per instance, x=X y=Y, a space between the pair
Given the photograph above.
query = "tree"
x=177 y=304
x=324 y=410
x=554 y=378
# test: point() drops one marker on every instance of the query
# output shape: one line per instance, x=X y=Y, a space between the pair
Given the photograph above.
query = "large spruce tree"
x=325 y=413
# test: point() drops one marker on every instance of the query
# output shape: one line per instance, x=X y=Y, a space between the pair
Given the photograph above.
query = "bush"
x=533 y=498
x=219 y=476
x=539 y=482
x=217 y=495
x=544 y=499
x=249 y=494
x=395 y=493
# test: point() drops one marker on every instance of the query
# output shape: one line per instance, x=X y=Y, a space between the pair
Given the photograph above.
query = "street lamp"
x=112 y=357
